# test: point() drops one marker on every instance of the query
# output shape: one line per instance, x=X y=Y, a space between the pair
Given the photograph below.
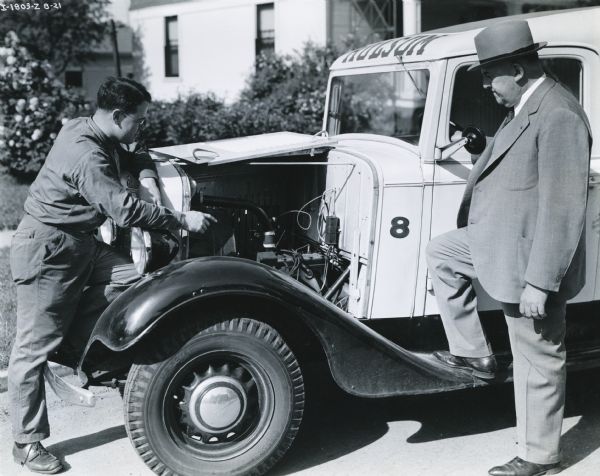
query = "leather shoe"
x=482 y=367
x=36 y=458
x=520 y=467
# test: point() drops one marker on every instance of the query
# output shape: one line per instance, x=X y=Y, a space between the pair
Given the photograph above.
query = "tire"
x=222 y=398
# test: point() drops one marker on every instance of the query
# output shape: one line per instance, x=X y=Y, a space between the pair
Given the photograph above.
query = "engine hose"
x=338 y=282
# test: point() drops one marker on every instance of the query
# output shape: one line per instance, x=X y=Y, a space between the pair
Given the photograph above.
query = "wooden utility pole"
x=116 y=56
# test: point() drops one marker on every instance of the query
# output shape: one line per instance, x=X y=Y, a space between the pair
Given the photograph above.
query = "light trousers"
x=537 y=345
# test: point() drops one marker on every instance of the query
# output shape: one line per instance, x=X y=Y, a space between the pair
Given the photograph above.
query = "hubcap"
x=217 y=404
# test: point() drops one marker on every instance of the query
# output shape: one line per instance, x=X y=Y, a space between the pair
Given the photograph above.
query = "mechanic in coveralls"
x=61 y=271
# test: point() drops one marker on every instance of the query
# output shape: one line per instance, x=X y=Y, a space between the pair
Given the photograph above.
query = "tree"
x=60 y=36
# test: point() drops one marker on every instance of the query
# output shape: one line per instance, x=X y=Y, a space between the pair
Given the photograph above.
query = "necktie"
x=511 y=114
x=117 y=160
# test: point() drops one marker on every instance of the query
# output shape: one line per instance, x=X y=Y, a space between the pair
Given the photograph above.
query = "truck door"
x=466 y=103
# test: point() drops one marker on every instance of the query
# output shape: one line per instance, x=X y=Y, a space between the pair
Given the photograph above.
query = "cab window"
x=474 y=106
x=387 y=103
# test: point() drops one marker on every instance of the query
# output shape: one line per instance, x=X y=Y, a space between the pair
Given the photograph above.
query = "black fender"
x=362 y=361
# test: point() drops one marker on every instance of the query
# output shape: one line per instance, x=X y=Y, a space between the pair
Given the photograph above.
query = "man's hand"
x=149 y=191
x=533 y=302
x=197 y=222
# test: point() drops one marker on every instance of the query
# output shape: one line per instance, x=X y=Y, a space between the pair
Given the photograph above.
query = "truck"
x=319 y=254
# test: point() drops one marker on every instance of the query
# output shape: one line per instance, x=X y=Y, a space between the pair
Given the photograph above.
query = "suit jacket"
x=525 y=200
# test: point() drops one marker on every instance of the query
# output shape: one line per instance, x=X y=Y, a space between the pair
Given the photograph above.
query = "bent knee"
x=433 y=252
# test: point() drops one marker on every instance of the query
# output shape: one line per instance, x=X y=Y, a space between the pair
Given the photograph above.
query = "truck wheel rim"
x=219 y=405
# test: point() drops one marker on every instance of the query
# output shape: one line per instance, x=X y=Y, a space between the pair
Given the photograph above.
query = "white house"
x=211 y=45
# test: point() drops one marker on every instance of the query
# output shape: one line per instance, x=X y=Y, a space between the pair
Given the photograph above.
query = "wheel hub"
x=217 y=404
x=214 y=404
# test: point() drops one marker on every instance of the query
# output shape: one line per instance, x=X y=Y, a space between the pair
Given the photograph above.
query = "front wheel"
x=228 y=400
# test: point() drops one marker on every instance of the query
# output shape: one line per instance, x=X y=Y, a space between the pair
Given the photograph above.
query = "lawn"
x=12 y=196
x=8 y=308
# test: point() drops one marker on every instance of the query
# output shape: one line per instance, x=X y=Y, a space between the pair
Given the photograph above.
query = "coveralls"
x=62 y=273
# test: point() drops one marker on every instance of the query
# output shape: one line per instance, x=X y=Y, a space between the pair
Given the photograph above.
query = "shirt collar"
x=102 y=137
x=527 y=94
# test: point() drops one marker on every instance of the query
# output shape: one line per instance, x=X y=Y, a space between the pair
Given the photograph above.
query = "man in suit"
x=521 y=234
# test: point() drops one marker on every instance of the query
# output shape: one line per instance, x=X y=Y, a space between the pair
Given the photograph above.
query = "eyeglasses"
x=140 y=122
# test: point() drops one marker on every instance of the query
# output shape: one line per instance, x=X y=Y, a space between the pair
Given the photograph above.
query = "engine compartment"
x=277 y=212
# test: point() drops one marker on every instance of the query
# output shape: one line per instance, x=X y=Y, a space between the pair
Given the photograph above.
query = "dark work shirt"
x=78 y=186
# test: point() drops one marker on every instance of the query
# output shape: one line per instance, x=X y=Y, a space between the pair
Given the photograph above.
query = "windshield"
x=387 y=103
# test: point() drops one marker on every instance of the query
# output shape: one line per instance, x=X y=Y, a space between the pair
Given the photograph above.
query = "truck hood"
x=246 y=148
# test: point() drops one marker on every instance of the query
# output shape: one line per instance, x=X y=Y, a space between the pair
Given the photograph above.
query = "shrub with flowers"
x=33 y=107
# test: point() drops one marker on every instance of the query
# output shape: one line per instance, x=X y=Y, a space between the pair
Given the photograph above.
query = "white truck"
x=320 y=252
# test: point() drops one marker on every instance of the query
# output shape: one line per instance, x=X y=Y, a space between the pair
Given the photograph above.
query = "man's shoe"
x=36 y=458
x=482 y=367
x=520 y=467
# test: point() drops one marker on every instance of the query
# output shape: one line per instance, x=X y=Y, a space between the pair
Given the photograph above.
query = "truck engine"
x=276 y=212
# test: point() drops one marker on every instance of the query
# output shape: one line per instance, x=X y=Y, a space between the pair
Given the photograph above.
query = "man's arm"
x=138 y=162
x=136 y=159
x=97 y=181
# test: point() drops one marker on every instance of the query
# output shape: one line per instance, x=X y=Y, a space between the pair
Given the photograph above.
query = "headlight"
x=107 y=232
x=151 y=250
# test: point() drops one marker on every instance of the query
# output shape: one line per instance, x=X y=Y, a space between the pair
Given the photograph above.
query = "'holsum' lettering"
x=413 y=45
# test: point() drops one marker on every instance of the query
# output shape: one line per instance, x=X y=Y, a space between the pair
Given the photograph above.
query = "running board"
x=67 y=392
x=577 y=360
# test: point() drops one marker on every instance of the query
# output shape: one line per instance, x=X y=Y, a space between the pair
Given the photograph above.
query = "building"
x=211 y=45
x=118 y=49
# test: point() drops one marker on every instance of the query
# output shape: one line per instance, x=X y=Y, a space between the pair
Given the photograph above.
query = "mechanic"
x=521 y=234
x=61 y=271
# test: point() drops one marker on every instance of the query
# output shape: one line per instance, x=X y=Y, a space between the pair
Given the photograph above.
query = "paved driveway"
x=457 y=434
x=5 y=237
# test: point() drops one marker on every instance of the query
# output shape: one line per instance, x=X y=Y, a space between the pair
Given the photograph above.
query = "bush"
x=192 y=118
x=285 y=93
x=33 y=105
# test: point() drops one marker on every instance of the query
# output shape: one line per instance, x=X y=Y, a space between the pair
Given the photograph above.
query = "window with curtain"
x=265 y=28
x=171 y=47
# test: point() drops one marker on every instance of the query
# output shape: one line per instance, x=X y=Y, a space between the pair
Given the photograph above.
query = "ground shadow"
x=330 y=428
x=86 y=442
x=339 y=424
x=583 y=395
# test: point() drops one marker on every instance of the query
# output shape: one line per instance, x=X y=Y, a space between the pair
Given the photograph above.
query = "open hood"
x=245 y=148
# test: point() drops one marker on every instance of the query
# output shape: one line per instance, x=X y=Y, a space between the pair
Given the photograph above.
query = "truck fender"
x=362 y=361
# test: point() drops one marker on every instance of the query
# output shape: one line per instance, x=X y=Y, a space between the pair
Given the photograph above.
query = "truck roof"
x=578 y=26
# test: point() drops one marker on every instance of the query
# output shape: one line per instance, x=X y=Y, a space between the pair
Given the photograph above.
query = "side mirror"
x=473 y=140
